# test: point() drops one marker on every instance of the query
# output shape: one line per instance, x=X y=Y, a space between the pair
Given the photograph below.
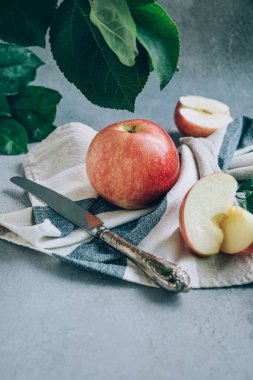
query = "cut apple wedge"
x=238 y=232
x=202 y=211
x=199 y=117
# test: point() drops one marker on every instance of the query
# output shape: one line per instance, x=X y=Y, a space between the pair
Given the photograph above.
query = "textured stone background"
x=60 y=323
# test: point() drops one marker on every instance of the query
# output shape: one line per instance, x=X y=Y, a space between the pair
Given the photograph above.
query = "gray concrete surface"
x=58 y=322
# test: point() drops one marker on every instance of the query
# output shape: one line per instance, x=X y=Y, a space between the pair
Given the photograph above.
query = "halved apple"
x=199 y=117
x=238 y=232
x=209 y=222
x=203 y=210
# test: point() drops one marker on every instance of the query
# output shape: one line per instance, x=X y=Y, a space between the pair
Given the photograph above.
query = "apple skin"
x=187 y=128
x=132 y=163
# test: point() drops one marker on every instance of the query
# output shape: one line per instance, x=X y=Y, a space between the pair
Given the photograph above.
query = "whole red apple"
x=132 y=163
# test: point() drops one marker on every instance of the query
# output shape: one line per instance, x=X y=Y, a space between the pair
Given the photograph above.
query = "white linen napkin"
x=59 y=163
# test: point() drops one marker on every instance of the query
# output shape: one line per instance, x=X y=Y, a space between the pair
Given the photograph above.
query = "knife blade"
x=164 y=273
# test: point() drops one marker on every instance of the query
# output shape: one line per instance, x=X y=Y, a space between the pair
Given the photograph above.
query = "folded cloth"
x=59 y=163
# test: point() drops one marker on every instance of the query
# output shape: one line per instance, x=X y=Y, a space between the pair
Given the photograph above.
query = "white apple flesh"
x=199 y=117
x=238 y=232
x=202 y=210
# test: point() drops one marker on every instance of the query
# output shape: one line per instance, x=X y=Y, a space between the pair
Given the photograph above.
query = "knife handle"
x=164 y=273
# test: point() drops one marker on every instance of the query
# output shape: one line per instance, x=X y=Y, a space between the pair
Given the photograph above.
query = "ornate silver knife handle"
x=164 y=273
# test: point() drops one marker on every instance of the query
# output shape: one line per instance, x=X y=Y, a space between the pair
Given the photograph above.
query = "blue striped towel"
x=59 y=163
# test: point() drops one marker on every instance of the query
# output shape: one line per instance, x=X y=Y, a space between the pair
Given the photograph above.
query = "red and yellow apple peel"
x=133 y=163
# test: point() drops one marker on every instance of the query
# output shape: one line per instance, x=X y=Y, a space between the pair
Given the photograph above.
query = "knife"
x=164 y=273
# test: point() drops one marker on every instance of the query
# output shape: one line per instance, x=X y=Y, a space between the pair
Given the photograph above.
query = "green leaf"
x=250 y=203
x=242 y=202
x=86 y=60
x=4 y=107
x=35 y=109
x=25 y=22
x=138 y=3
x=114 y=20
x=158 y=33
x=17 y=68
x=246 y=185
x=150 y=64
x=13 y=137
x=246 y=200
x=247 y=193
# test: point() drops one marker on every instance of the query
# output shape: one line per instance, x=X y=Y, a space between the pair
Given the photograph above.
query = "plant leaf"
x=158 y=33
x=247 y=193
x=250 y=203
x=35 y=109
x=4 y=107
x=138 y=3
x=246 y=188
x=246 y=202
x=86 y=60
x=246 y=185
x=25 y=22
x=242 y=202
x=114 y=20
x=17 y=68
x=13 y=137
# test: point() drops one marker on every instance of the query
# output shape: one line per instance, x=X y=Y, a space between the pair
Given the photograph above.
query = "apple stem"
x=132 y=129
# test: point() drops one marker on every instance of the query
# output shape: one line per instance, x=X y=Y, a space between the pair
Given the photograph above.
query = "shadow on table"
x=59 y=271
x=16 y=193
x=21 y=256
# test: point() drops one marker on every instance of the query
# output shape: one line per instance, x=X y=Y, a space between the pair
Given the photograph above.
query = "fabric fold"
x=59 y=163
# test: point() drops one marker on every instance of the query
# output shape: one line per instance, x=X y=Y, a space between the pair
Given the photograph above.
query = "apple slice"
x=202 y=210
x=199 y=117
x=238 y=232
